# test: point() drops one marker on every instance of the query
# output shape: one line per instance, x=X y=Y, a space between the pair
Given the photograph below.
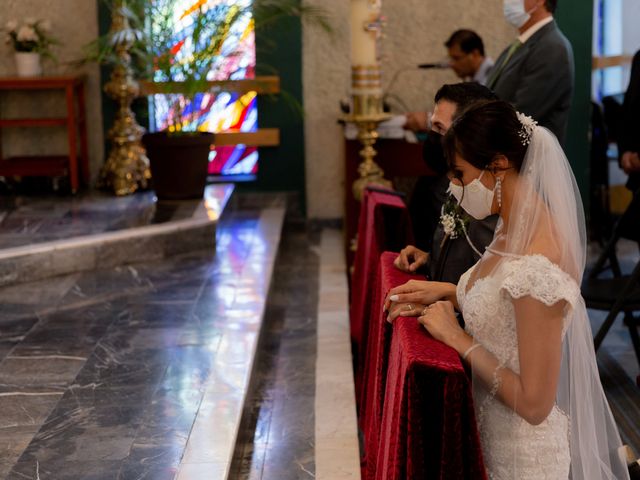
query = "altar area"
x=241 y=335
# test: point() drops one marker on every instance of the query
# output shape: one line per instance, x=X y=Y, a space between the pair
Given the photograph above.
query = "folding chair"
x=600 y=212
x=619 y=293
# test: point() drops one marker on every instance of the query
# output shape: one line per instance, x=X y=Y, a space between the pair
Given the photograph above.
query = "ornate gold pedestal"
x=367 y=114
x=370 y=172
x=127 y=167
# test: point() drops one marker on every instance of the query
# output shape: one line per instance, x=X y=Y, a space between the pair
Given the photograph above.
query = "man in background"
x=536 y=72
x=467 y=59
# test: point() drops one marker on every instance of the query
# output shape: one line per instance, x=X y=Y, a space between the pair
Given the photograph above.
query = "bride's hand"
x=418 y=292
x=440 y=321
x=404 y=310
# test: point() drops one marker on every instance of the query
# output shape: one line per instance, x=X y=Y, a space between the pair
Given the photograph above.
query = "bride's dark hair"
x=484 y=130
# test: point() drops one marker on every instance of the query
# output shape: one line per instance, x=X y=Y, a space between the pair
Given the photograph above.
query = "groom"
x=449 y=257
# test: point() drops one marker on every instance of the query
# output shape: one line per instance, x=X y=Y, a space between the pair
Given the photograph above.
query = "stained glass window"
x=220 y=112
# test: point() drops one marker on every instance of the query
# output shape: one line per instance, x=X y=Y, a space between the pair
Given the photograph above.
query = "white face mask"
x=515 y=13
x=477 y=199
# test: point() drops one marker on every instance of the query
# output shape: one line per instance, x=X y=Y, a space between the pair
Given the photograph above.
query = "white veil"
x=548 y=201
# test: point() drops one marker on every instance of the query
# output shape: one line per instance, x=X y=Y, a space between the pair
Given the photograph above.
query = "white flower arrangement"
x=528 y=125
x=32 y=35
x=453 y=221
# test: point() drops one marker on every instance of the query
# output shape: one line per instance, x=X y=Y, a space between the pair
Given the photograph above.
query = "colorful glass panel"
x=220 y=112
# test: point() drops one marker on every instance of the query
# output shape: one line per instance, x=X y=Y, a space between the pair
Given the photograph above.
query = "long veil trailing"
x=548 y=204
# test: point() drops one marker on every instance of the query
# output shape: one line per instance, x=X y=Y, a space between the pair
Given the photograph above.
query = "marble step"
x=184 y=226
x=214 y=435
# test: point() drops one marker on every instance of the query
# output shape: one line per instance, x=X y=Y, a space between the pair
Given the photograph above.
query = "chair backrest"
x=628 y=227
x=600 y=223
x=629 y=224
x=599 y=145
x=612 y=110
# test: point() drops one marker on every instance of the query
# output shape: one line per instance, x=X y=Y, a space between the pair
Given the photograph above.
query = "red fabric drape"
x=416 y=411
x=374 y=371
x=384 y=224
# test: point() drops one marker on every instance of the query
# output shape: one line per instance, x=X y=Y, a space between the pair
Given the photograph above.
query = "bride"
x=540 y=407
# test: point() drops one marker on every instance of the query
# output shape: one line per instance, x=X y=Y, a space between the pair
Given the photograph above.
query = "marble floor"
x=301 y=418
x=138 y=371
x=276 y=440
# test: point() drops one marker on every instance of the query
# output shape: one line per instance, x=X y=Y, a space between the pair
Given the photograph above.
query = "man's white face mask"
x=477 y=199
x=515 y=13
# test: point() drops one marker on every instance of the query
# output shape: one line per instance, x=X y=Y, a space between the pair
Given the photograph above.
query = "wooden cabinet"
x=75 y=165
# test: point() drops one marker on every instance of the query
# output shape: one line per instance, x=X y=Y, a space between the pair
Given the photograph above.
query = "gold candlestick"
x=367 y=115
x=127 y=167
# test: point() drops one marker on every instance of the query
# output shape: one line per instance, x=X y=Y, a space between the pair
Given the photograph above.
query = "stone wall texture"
x=415 y=33
x=74 y=24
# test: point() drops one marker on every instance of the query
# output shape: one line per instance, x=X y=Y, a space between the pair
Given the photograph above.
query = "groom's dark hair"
x=464 y=94
x=484 y=130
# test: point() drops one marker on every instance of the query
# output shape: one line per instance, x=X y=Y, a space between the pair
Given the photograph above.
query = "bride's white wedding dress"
x=510 y=444
x=579 y=437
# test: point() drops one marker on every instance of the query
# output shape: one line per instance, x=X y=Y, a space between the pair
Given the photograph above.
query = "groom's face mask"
x=474 y=197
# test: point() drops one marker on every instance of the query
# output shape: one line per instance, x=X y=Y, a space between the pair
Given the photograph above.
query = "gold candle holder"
x=127 y=167
x=367 y=114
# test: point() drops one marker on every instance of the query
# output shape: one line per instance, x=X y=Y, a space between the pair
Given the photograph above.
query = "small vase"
x=28 y=64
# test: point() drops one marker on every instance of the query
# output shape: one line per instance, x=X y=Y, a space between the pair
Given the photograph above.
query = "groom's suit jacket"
x=538 y=78
x=450 y=258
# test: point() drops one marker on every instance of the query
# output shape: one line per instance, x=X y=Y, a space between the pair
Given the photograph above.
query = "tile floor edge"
x=336 y=436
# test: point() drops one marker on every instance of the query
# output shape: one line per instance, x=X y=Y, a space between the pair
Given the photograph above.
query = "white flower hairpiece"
x=528 y=125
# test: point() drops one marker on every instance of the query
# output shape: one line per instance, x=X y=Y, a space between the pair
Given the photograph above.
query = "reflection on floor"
x=277 y=437
x=29 y=220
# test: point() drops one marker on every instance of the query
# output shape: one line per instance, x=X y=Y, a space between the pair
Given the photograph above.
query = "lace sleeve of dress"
x=536 y=276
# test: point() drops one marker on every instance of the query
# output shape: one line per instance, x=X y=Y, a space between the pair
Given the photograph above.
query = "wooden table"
x=74 y=121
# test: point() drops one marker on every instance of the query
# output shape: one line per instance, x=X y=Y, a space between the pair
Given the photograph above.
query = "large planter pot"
x=179 y=163
x=28 y=64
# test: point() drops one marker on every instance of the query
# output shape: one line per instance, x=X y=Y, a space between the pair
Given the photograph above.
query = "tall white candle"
x=363 y=42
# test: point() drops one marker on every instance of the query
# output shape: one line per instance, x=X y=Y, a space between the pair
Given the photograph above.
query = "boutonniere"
x=455 y=222
x=453 y=219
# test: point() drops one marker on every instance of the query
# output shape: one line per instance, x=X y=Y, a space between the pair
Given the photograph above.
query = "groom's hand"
x=411 y=259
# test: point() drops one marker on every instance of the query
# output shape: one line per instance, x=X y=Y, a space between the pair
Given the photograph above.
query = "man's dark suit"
x=538 y=79
x=449 y=260
x=629 y=140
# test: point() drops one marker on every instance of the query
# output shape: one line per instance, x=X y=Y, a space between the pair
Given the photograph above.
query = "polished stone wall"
x=74 y=24
x=415 y=32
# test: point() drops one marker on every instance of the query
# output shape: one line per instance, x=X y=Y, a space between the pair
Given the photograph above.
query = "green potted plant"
x=179 y=153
